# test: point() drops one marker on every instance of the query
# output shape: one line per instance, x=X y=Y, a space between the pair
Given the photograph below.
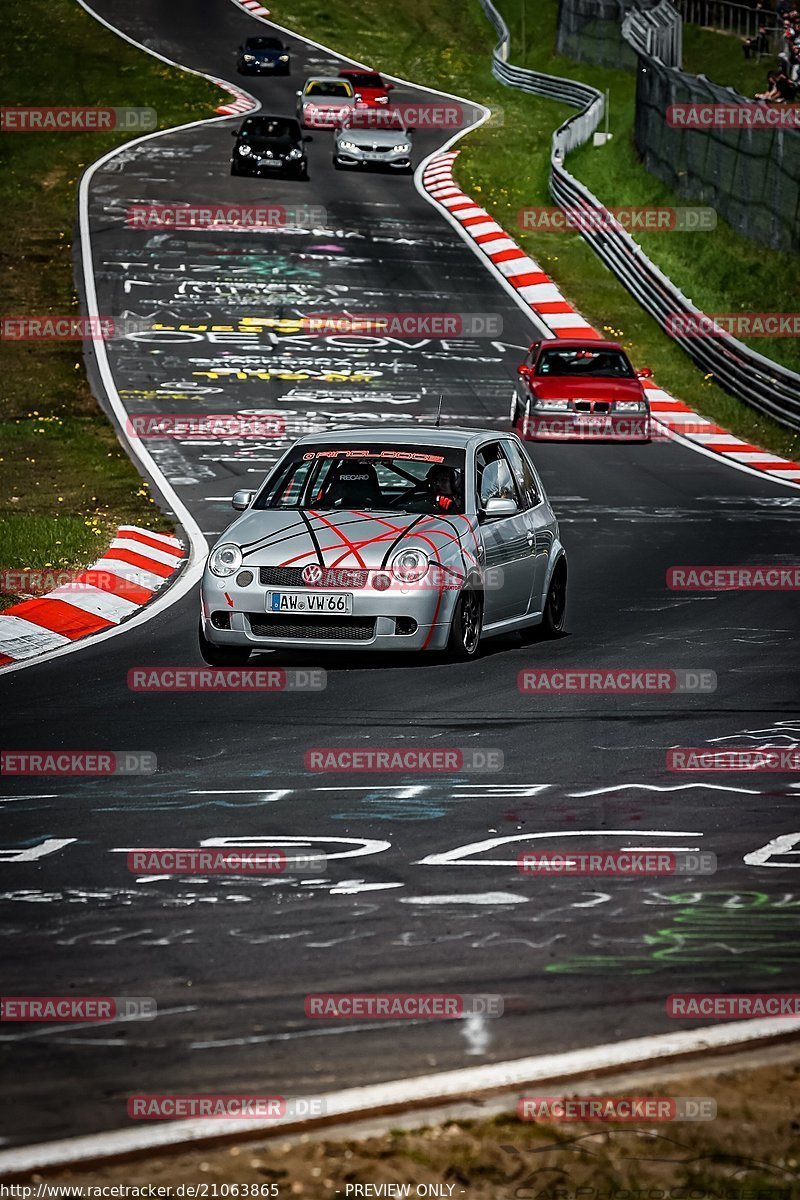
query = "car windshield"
x=264 y=43
x=337 y=87
x=374 y=118
x=406 y=479
x=362 y=79
x=573 y=361
x=270 y=127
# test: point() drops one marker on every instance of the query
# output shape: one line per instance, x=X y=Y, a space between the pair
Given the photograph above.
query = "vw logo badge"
x=312 y=574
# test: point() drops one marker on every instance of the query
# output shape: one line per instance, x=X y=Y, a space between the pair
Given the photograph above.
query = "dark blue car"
x=263 y=56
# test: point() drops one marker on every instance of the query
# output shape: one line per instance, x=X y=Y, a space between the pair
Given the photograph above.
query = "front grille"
x=299 y=625
x=375 y=149
x=332 y=577
x=598 y=406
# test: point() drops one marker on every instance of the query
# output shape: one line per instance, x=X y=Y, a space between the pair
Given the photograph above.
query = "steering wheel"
x=417 y=490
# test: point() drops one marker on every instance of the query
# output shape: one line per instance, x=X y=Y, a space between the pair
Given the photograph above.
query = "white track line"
x=198 y=546
x=424 y=1090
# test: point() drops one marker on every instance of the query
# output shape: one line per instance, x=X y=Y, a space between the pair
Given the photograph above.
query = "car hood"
x=565 y=387
x=348 y=538
x=332 y=101
x=373 y=137
x=278 y=145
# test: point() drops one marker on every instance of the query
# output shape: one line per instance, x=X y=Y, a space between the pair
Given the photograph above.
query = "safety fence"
x=765 y=385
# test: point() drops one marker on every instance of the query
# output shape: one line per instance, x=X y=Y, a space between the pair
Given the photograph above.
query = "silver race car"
x=373 y=137
x=398 y=539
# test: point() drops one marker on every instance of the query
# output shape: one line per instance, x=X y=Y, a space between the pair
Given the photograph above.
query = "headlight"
x=283 y=58
x=381 y=99
x=249 y=58
x=553 y=405
x=628 y=406
x=344 y=145
x=225 y=559
x=244 y=150
x=403 y=148
x=409 y=566
x=295 y=153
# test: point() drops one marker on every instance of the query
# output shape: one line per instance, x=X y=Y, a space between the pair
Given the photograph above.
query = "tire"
x=337 y=166
x=235 y=170
x=221 y=656
x=555 y=606
x=464 y=642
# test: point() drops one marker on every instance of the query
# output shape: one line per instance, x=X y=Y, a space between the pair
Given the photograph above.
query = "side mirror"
x=234 y=133
x=523 y=369
x=298 y=93
x=307 y=137
x=242 y=500
x=411 y=129
x=500 y=506
x=645 y=373
x=389 y=87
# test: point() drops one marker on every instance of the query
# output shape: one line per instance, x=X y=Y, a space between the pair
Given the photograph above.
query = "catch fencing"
x=763 y=384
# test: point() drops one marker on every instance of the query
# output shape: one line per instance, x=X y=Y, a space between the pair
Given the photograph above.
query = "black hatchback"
x=270 y=146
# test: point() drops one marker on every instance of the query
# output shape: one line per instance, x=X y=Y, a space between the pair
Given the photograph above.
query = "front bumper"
x=372 y=159
x=246 y=166
x=264 y=68
x=542 y=426
x=417 y=619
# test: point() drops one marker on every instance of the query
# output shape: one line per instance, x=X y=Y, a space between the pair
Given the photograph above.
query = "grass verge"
x=65 y=482
x=447 y=45
x=749 y=1152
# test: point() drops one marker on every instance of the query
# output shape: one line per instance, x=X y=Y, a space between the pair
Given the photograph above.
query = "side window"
x=494 y=477
x=523 y=473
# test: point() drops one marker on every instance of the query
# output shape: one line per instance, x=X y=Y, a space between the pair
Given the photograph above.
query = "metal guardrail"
x=741 y=19
x=762 y=383
x=657 y=33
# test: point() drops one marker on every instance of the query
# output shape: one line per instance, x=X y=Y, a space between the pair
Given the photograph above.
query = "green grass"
x=65 y=482
x=719 y=56
x=447 y=44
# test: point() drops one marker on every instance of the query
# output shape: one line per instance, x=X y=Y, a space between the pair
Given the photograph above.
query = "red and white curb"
x=535 y=287
x=253 y=7
x=136 y=565
x=243 y=102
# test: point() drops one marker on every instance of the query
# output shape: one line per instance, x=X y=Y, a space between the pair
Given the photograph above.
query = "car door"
x=539 y=518
x=506 y=542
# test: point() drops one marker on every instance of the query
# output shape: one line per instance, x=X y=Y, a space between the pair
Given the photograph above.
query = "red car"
x=368 y=86
x=580 y=388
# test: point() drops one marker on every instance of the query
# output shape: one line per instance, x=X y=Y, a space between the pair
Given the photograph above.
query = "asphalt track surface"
x=577 y=961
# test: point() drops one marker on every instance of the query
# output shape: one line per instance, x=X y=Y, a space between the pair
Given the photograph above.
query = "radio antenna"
x=439 y=411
